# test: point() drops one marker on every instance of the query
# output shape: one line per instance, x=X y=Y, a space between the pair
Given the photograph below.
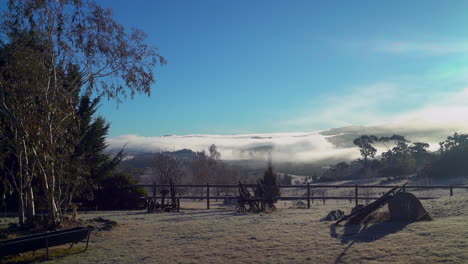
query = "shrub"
x=117 y=194
x=271 y=185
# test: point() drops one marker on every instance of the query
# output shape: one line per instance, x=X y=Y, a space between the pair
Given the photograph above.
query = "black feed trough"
x=44 y=240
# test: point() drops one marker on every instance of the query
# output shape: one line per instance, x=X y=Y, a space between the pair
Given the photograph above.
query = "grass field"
x=221 y=235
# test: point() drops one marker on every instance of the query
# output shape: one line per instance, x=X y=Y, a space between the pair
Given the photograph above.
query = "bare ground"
x=221 y=235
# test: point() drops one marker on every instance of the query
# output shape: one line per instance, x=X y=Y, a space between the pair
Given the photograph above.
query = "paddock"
x=288 y=235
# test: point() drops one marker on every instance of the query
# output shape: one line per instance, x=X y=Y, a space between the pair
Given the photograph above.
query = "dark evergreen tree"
x=91 y=148
x=116 y=193
x=271 y=189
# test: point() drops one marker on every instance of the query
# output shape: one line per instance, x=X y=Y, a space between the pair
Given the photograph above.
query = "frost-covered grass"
x=221 y=235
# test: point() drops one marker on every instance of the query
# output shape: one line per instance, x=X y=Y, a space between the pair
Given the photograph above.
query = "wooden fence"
x=307 y=188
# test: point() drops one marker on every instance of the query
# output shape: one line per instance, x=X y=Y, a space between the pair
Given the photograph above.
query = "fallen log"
x=359 y=215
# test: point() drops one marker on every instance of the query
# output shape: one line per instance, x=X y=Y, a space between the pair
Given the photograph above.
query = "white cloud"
x=284 y=146
x=448 y=114
x=359 y=105
x=421 y=47
x=431 y=122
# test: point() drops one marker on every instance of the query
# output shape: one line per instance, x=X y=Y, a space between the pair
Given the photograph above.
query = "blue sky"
x=294 y=66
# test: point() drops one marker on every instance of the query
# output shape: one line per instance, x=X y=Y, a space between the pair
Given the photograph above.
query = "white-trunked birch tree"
x=44 y=44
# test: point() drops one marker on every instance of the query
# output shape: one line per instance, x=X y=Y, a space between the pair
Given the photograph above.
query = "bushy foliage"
x=364 y=143
x=398 y=161
x=270 y=183
x=116 y=193
x=451 y=160
x=403 y=158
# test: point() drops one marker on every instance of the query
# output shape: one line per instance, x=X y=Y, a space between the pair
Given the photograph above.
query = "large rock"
x=334 y=215
x=405 y=207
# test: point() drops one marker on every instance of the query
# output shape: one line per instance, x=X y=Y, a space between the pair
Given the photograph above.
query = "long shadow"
x=338 y=259
x=208 y=212
x=214 y=215
x=137 y=213
x=371 y=233
x=364 y=234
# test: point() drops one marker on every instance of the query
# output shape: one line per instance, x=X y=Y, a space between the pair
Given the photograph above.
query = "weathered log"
x=359 y=215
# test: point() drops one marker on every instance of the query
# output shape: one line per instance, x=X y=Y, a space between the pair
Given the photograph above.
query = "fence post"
x=308 y=195
x=451 y=190
x=356 y=194
x=207 y=196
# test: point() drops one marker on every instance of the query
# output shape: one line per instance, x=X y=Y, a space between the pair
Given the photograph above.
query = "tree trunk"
x=21 y=213
x=49 y=190
x=54 y=217
x=31 y=208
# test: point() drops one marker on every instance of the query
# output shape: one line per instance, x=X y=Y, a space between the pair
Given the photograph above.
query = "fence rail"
x=306 y=187
x=311 y=186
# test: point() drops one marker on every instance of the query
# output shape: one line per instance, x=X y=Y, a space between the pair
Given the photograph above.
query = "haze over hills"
x=324 y=146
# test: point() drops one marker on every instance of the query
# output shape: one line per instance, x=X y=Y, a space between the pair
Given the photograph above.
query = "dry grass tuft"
x=377 y=217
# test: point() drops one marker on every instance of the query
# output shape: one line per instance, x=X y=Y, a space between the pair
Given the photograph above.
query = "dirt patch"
x=103 y=224
x=98 y=223
x=14 y=230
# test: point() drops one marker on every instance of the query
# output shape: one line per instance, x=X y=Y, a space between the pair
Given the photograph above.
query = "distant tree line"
x=402 y=158
x=202 y=167
x=207 y=167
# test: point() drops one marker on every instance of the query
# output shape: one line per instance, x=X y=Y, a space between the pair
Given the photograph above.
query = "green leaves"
x=364 y=143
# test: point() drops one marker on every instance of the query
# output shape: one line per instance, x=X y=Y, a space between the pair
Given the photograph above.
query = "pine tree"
x=91 y=148
x=270 y=184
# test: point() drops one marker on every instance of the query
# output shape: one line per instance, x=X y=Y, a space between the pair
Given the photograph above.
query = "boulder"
x=334 y=215
x=299 y=204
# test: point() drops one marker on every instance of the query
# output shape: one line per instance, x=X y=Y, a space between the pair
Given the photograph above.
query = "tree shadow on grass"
x=138 y=213
x=210 y=214
x=364 y=234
